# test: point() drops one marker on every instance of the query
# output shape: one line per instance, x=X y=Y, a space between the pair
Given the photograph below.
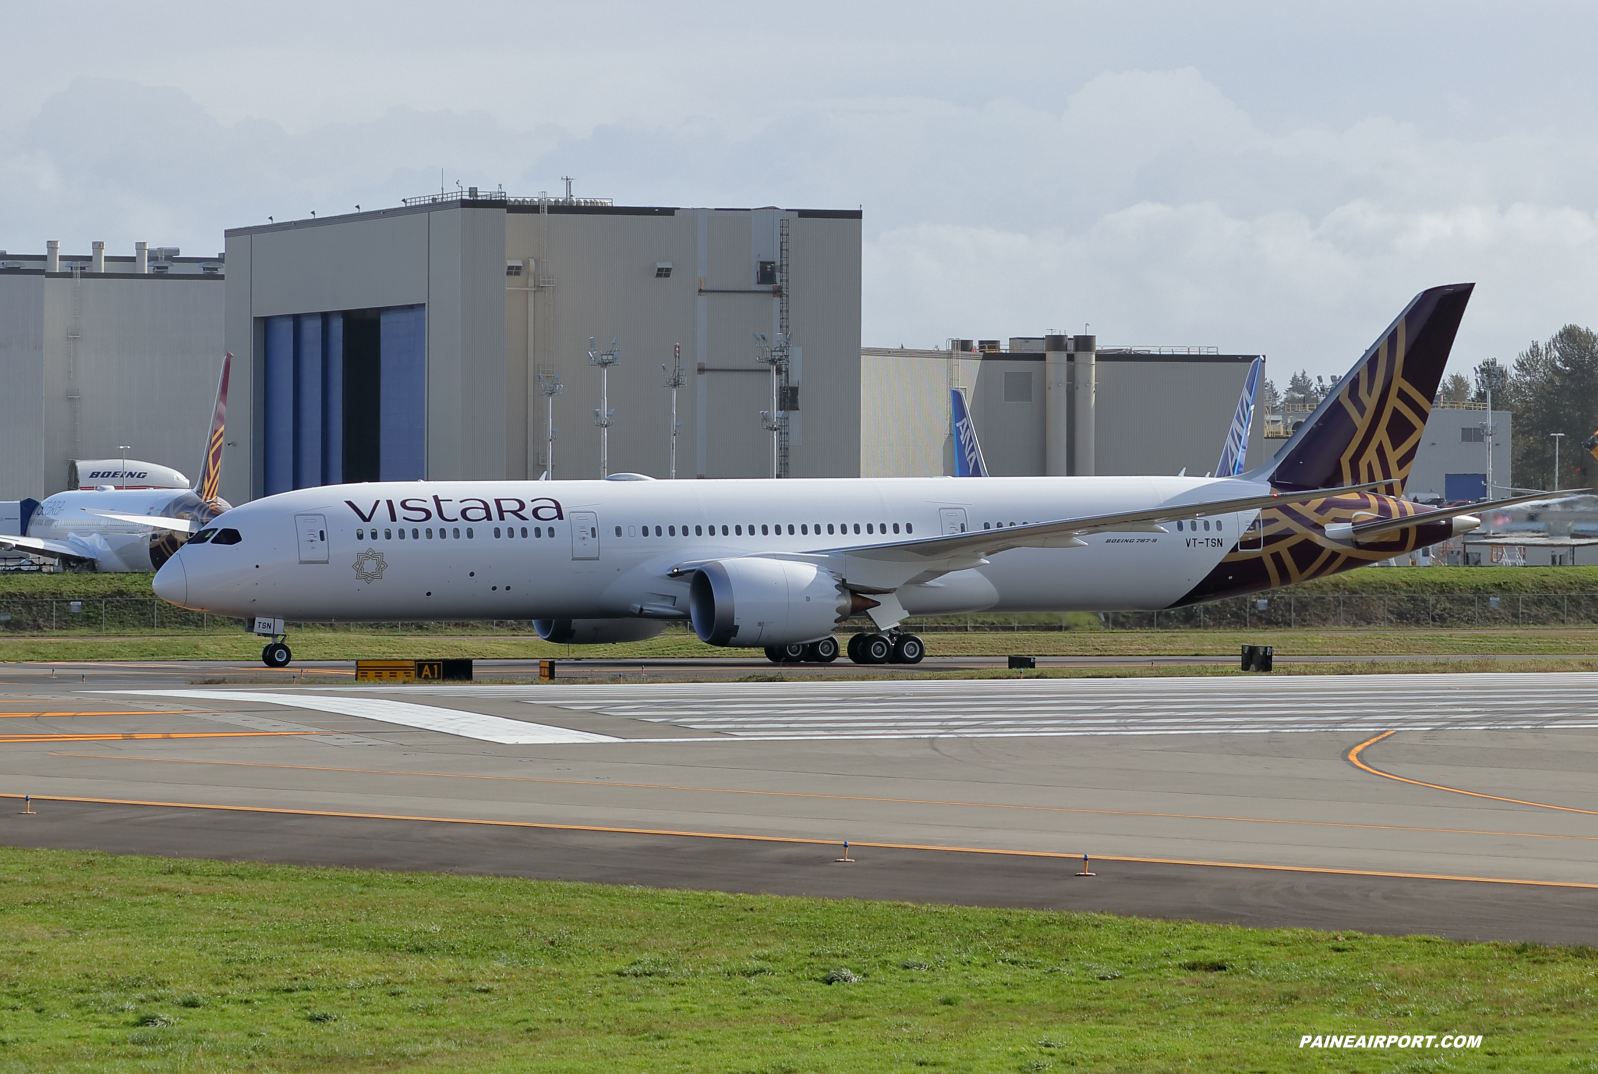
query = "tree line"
x=1551 y=387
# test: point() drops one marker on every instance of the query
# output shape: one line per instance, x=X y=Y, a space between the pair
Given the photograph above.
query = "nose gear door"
x=585 y=535
x=312 y=533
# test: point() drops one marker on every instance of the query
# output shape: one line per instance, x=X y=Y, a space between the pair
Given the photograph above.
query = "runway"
x=1456 y=804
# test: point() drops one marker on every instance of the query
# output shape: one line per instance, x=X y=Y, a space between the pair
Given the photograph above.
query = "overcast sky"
x=1276 y=178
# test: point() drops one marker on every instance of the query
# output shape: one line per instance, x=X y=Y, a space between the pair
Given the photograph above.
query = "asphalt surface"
x=1458 y=805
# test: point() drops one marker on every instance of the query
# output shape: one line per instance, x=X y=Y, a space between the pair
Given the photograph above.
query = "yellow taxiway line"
x=1056 y=855
x=1354 y=759
x=831 y=797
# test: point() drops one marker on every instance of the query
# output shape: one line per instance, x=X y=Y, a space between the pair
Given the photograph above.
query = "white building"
x=1049 y=405
x=104 y=350
x=409 y=342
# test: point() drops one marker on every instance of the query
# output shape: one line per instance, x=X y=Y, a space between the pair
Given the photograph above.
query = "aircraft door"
x=952 y=519
x=312 y=533
x=1253 y=539
x=585 y=535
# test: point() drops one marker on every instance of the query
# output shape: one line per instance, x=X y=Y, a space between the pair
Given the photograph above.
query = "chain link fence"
x=148 y=615
x=1319 y=612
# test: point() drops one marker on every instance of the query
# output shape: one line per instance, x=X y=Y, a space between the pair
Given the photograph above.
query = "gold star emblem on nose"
x=369 y=565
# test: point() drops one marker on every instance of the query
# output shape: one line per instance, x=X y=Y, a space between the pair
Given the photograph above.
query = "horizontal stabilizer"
x=1347 y=532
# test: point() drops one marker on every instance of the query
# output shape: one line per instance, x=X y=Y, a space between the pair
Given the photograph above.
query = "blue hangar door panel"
x=402 y=385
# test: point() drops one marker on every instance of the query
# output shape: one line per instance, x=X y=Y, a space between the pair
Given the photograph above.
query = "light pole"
x=549 y=384
x=1489 y=376
x=774 y=352
x=124 y=448
x=604 y=360
x=675 y=378
x=1556 y=438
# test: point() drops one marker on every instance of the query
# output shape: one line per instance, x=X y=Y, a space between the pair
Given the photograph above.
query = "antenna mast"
x=602 y=417
x=675 y=378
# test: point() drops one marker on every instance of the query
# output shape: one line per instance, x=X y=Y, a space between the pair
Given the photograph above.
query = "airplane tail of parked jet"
x=1369 y=428
x=968 y=461
x=211 y=470
x=1234 y=453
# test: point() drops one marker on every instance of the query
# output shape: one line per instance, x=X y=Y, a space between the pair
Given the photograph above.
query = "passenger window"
x=908 y=528
x=468 y=533
x=868 y=527
x=764 y=532
x=618 y=531
x=226 y=537
x=829 y=527
x=895 y=527
x=388 y=534
x=790 y=529
x=1206 y=524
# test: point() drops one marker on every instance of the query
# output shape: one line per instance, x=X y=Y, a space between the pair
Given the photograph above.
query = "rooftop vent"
x=165 y=253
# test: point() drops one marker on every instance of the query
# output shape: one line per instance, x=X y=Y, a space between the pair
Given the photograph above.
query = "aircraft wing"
x=1387 y=525
x=1067 y=532
x=44 y=548
x=181 y=525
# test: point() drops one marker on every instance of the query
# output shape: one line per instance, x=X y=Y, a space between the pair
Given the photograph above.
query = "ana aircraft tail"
x=967 y=452
x=210 y=481
x=1235 y=451
x=1370 y=427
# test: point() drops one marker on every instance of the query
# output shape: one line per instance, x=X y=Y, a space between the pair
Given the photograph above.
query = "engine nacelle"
x=755 y=602
x=596 y=631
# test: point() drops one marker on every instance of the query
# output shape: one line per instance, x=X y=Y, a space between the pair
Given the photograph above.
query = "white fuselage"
x=599 y=549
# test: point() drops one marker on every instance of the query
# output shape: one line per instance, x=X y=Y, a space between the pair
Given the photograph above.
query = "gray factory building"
x=102 y=350
x=1452 y=461
x=1052 y=405
x=415 y=342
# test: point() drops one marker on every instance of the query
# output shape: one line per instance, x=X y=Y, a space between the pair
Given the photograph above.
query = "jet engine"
x=762 y=602
x=596 y=631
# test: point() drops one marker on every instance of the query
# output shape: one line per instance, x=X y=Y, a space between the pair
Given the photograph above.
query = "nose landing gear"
x=276 y=654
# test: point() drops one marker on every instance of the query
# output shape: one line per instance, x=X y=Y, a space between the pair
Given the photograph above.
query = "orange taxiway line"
x=1058 y=855
x=1354 y=759
x=830 y=797
x=111 y=737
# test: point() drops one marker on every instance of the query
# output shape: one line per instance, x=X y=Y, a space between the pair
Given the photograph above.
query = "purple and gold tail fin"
x=211 y=472
x=1371 y=425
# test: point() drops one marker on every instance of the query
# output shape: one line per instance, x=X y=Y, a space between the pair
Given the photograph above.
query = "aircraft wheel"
x=276 y=655
x=875 y=649
x=908 y=649
x=853 y=647
x=792 y=654
x=774 y=653
x=824 y=651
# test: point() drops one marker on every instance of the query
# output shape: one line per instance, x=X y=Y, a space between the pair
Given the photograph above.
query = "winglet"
x=968 y=460
x=209 y=486
x=1234 y=453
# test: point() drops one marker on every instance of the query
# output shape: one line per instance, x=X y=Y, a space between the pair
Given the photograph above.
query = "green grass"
x=139 y=964
x=1379 y=581
x=1133 y=645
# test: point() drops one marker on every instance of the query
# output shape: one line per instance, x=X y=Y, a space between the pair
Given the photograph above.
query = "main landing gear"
x=824 y=651
x=892 y=648
x=276 y=654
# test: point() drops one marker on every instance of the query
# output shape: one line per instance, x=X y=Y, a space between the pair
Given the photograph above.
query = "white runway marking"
x=1049 y=708
x=426 y=717
x=991 y=708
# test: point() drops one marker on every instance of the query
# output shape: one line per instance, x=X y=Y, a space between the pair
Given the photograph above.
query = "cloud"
x=1149 y=203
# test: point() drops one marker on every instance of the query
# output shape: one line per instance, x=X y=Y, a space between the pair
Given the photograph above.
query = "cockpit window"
x=202 y=536
x=226 y=537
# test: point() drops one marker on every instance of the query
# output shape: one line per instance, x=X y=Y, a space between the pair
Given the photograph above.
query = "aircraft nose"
x=172 y=581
